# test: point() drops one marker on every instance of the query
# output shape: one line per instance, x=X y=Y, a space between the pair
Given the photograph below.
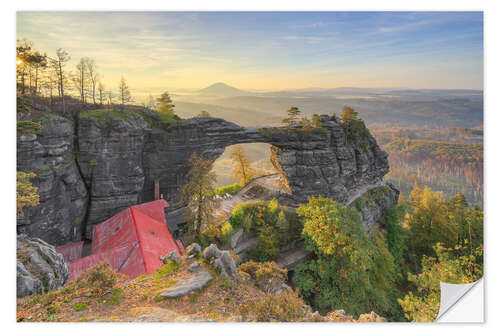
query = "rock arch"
x=119 y=160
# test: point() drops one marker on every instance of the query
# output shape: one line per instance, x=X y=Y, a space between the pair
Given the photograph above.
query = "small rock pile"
x=221 y=261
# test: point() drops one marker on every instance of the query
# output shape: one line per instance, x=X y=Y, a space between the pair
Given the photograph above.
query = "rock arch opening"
x=259 y=157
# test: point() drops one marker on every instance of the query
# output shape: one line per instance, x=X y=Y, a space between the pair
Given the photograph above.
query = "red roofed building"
x=132 y=242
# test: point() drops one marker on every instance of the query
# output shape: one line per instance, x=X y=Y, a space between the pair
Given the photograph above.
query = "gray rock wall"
x=63 y=197
x=120 y=158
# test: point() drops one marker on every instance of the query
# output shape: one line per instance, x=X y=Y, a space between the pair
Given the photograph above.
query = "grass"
x=102 y=295
x=80 y=306
x=105 y=117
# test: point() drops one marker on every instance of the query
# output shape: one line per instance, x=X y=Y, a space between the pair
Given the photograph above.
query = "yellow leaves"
x=27 y=194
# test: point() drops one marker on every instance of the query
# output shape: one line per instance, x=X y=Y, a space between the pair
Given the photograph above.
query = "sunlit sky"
x=155 y=51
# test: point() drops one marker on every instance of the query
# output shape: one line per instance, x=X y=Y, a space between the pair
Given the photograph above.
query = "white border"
x=491 y=124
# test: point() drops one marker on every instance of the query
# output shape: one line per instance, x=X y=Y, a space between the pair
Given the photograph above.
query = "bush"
x=288 y=307
x=245 y=209
x=263 y=270
x=100 y=277
x=80 y=306
x=229 y=189
x=269 y=246
x=225 y=234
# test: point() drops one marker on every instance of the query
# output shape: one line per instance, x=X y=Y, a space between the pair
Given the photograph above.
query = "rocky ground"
x=250 y=293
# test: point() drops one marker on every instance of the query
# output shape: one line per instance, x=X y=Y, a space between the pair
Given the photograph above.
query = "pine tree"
x=124 y=92
x=316 y=121
x=196 y=194
x=293 y=116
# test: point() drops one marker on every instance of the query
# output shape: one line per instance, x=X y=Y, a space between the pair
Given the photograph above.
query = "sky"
x=156 y=51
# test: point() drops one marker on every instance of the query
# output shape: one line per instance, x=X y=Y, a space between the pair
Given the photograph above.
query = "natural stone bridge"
x=120 y=161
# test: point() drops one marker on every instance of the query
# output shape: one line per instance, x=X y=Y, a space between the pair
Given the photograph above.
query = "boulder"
x=195 y=283
x=39 y=267
x=222 y=261
x=212 y=251
x=194 y=267
x=225 y=263
x=171 y=256
x=193 y=249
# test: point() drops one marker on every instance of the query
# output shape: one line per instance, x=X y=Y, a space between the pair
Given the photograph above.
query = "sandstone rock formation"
x=129 y=155
x=50 y=154
x=120 y=157
x=39 y=267
x=222 y=261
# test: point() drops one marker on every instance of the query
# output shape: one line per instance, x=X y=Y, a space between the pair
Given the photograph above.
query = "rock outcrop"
x=50 y=154
x=222 y=261
x=373 y=204
x=39 y=267
x=195 y=283
x=121 y=155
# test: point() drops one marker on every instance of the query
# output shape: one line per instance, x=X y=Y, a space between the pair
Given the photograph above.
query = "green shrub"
x=226 y=232
x=80 y=306
x=76 y=222
x=269 y=245
x=229 y=189
x=51 y=309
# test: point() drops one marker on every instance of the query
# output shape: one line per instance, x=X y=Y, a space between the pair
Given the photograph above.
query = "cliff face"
x=63 y=196
x=120 y=157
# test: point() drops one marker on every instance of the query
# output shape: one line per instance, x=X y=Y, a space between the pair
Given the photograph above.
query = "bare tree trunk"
x=61 y=83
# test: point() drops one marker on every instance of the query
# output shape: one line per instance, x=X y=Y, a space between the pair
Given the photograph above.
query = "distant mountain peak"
x=221 y=88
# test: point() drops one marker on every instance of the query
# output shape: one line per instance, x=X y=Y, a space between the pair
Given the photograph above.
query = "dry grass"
x=104 y=295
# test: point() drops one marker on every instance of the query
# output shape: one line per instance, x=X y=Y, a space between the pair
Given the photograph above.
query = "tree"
x=242 y=170
x=124 y=92
x=23 y=54
x=166 y=105
x=432 y=219
x=80 y=79
x=306 y=124
x=58 y=64
x=349 y=270
x=293 y=115
x=92 y=76
x=204 y=113
x=100 y=89
x=166 y=109
x=451 y=266
x=110 y=97
x=38 y=62
x=316 y=121
x=353 y=125
x=27 y=194
x=196 y=193
x=428 y=223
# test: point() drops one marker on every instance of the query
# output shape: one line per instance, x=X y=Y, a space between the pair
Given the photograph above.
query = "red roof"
x=71 y=251
x=132 y=241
